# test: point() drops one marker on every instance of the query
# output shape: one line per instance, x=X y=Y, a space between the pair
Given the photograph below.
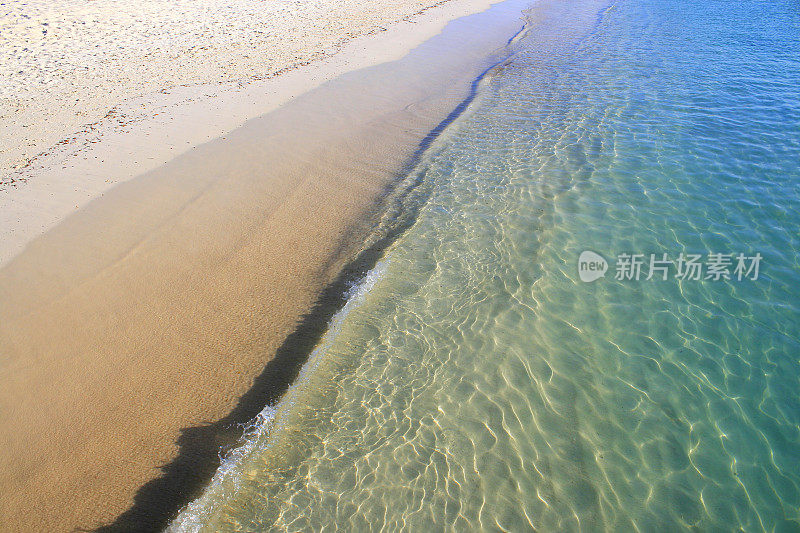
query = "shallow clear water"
x=474 y=382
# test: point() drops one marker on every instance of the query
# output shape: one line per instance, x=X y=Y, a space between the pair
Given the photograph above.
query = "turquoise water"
x=473 y=381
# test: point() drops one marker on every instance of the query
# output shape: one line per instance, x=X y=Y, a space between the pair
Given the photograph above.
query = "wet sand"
x=139 y=331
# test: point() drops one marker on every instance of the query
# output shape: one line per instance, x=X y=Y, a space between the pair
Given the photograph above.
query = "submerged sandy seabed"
x=145 y=315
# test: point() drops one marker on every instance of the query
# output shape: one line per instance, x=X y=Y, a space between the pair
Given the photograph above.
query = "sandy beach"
x=93 y=94
x=165 y=269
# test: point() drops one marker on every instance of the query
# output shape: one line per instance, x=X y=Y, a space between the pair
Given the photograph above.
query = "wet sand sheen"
x=153 y=309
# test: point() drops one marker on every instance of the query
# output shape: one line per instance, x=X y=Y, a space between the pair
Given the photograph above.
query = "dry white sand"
x=66 y=63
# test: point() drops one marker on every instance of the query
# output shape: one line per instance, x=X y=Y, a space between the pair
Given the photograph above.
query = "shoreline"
x=298 y=351
x=174 y=304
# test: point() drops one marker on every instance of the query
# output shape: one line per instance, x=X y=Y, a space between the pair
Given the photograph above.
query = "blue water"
x=473 y=381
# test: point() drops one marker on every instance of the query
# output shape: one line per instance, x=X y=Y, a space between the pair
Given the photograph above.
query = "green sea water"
x=474 y=382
